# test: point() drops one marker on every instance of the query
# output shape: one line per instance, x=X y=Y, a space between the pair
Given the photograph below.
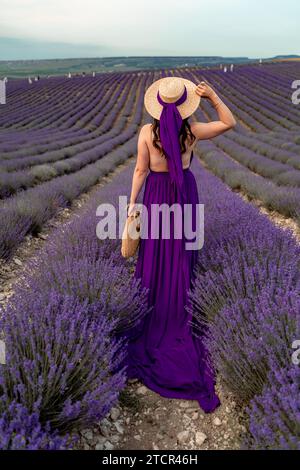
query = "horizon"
x=151 y=56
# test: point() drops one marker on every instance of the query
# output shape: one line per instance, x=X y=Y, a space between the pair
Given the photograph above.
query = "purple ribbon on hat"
x=170 y=124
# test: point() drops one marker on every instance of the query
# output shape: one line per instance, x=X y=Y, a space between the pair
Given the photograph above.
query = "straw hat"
x=170 y=90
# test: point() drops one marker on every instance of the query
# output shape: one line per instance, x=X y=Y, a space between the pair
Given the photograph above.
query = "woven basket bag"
x=131 y=234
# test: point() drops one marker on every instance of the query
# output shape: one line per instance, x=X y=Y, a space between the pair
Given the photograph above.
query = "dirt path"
x=145 y=420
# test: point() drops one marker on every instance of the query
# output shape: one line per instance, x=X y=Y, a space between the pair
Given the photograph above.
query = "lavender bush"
x=275 y=414
x=59 y=358
x=100 y=281
x=20 y=430
x=245 y=298
x=63 y=326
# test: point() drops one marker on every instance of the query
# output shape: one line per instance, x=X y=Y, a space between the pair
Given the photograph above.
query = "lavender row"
x=255 y=108
x=84 y=108
x=246 y=296
x=288 y=141
x=49 y=150
x=44 y=101
x=280 y=110
x=282 y=174
x=267 y=95
x=27 y=212
x=101 y=104
x=96 y=149
x=268 y=148
x=282 y=199
x=62 y=330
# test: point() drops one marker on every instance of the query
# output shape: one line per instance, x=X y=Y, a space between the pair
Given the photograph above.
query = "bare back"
x=158 y=162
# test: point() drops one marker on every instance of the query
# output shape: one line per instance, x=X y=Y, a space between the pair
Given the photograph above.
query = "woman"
x=164 y=353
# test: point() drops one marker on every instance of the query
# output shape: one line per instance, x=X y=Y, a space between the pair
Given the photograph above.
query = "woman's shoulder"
x=146 y=130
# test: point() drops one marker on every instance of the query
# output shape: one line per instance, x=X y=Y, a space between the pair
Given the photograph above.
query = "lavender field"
x=63 y=321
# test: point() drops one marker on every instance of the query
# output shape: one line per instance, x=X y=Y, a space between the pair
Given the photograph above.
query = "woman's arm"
x=207 y=130
x=141 y=167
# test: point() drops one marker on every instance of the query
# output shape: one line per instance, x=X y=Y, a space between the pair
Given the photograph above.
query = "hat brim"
x=186 y=109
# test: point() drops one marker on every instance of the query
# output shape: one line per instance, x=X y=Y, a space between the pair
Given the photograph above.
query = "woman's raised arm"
x=207 y=130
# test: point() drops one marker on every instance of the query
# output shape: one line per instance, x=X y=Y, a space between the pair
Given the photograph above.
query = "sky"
x=42 y=29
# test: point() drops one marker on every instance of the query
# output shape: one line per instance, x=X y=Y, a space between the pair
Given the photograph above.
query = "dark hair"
x=185 y=132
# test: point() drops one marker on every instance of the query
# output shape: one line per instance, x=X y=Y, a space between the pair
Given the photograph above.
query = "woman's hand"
x=131 y=208
x=205 y=90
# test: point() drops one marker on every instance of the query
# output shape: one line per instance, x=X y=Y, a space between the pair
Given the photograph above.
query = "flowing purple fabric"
x=163 y=352
x=170 y=122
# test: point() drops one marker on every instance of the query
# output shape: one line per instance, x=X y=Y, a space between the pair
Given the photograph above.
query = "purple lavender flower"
x=59 y=359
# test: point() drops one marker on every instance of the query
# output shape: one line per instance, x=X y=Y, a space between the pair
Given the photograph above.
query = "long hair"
x=184 y=134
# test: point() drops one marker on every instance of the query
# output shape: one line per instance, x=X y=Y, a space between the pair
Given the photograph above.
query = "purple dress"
x=164 y=354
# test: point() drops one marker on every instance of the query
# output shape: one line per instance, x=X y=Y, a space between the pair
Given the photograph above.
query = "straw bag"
x=131 y=234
